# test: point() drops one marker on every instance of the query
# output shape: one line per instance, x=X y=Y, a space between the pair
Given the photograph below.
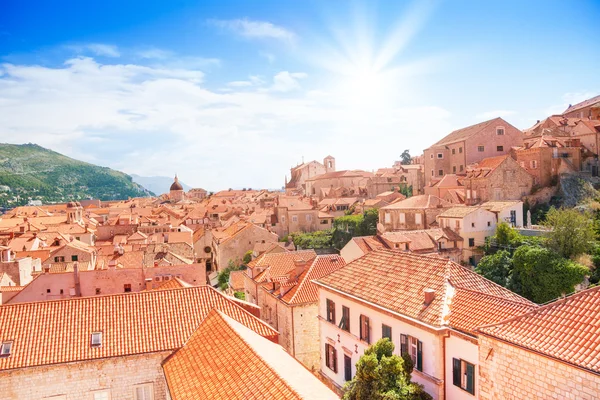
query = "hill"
x=157 y=184
x=31 y=172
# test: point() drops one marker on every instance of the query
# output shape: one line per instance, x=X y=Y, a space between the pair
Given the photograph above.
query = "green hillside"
x=31 y=172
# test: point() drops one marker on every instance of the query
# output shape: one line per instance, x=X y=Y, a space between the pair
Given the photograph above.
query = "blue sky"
x=233 y=93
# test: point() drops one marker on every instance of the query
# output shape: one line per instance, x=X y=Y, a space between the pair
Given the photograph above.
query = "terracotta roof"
x=306 y=291
x=236 y=280
x=11 y=288
x=225 y=360
x=174 y=283
x=448 y=181
x=396 y=281
x=424 y=201
x=497 y=206
x=566 y=329
x=60 y=331
x=422 y=239
x=583 y=104
x=341 y=174
x=465 y=133
x=368 y=243
x=279 y=264
x=458 y=212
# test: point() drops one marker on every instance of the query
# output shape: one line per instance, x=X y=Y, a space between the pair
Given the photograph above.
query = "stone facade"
x=546 y=163
x=235 y=247
x=120 y=376
x=511 y=372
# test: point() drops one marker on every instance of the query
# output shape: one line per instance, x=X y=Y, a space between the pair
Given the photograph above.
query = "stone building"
x=548 y=353
x=496 y=178
x=304 y=171
x=589 y=109
x=104 y=347
x=354 y=182
x=414 y=213
x=295 y=214
x=176 y=192
x=292 y=307
x=469 y=145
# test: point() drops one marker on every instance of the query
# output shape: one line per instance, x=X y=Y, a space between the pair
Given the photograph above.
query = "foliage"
x=405 y=158
x=312 y=240
x=382 y=375
x=240 y=295
x=349 y=226
x=541 y=275
x=406 y=190
x=247 y=257
x=496 y=267
x=223 y=277
x=572 y=232
x=508 y=238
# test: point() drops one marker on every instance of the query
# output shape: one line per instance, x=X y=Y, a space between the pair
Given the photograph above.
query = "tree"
x=541 y=275
x=496 y=267
x=349 y=226
x=572 y=232
x=407 y=191
x=382 y=375
x=223 y=277
x=405 y=158
x=247 y=257
x=312 y=240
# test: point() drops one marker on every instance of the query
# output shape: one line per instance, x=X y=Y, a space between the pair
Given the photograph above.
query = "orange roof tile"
x=279 y=264
x=424 y=201
x=464 y=133
x=566 y=329
x=396 y=281
x=225 y=360
x=306 y=291
x=585 y=103
x=60 y=331
x=236 y=280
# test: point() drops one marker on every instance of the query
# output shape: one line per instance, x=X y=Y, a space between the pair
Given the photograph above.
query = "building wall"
x=477 y=226
x=507 y=182
x=79 y=380
x=428 y=216
x=510 y=372
x=490 y=140
x=464 y=349
x=306 y=335
x=235 y=248
x=349 y=342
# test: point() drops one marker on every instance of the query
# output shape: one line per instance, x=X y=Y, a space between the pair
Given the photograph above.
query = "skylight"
x=97 y=339
x=5 y=349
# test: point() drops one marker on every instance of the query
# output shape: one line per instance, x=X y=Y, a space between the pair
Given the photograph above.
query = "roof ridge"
x=551 y=304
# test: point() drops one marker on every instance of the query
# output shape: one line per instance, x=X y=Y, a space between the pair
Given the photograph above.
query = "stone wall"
x=79 y=380
x=510 y=372
x=306 y=335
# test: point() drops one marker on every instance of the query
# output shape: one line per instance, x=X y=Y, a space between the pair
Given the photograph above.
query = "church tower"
x=176 y=191
x=329 y=163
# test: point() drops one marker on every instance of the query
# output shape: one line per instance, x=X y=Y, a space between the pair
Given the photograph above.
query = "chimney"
x=300 y=266
x=429 y=296
x=148 y=283
x=46 y=269
x=77 y=282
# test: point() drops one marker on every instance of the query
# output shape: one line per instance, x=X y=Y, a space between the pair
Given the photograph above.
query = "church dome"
x=176 y=185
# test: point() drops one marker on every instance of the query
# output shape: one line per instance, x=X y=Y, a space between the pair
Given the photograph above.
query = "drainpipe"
x=293 y=336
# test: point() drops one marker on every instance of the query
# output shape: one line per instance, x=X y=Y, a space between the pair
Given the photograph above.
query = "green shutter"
x=470 y=378
x=456 y=372
x=420 y=355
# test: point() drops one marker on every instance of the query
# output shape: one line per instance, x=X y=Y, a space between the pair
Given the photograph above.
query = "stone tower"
x=176 y=191
x=329 y=163
x=74 y=213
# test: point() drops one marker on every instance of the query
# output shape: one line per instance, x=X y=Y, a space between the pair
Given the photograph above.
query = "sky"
x=234 y=93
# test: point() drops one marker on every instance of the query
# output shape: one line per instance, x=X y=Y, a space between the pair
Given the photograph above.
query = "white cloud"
x=254 y=29
x=98 y=49
x=239 y=84
x=154 y=53
x=494 y=114
x=286 y=81
x=161 y=120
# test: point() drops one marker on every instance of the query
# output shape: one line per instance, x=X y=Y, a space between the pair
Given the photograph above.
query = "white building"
x=429 y=307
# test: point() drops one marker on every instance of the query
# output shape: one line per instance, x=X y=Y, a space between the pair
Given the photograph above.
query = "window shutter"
x=367 y=330
x=456 y=372
x=327 y=363
x=420 y=355
x=334 y=354
x=470 y=378
x=403 y=344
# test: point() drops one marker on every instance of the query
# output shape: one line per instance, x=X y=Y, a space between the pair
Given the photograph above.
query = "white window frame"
x=480 y=147
x=413 y=347
x=149 y=385
x=402 y=218
x=440 y=156
x=418 y=219
x=6 y=348
x=101 y=392
x=387 y=218
x=294 y=218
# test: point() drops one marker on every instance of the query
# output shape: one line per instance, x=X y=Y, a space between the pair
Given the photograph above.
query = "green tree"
x=405 y=158
x=406 y=190
x=571 y=232
x=247 y=257
x=496 y=267
x=382 y=375
x=223 y=277
x=541 y=275
x=312 y=240
x=349 y=226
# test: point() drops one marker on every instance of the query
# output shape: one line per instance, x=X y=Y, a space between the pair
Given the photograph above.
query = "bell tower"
x=329 y=163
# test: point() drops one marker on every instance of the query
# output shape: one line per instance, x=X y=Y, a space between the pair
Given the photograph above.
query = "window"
x=62 y=291
x=347 y=368
x=522 y=163
x=461 y=168
x=402 y=218
x=324 y=221
x=345 y=321
x=308 y=217
x=471 y=242
x=463 y=375
x=387 y=218
x=144 y=392
x=331 y=357
x=453 y=151
x=480 y=148
x=127 y=287
x=533 y=164
x=5 y=349
x=457 y=224
x=472 y=224
x=294 y=218
x=499 y=148
x=97 y=339
x=432 y=156
x=97 y=290
x=74 y=258
x=283 y=220
x=454 y=169
x=460 y=149
x=386 y=331
x=59 y=259
x=440 y=155
x=418 y=219
x=365 y=329
x=47 y=290
x=432 y=173
x=499 y=131
x=330 y=311
x=103 y=395
x=414 y=348
x=440 y=172
x=489 y=223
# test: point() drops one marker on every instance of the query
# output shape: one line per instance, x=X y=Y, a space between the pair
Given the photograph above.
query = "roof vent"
x=429 y=296
x=96 y=339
